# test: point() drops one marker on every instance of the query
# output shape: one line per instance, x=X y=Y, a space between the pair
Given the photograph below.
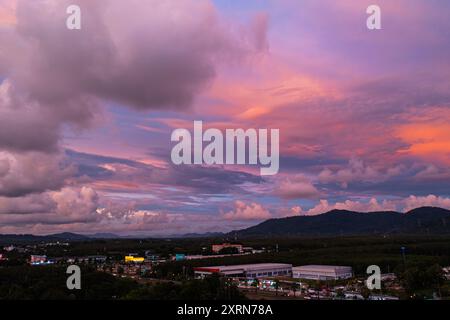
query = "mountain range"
x=343 y=222
x=424 y=220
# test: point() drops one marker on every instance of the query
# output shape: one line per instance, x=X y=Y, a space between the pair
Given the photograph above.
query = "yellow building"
x=134 y=259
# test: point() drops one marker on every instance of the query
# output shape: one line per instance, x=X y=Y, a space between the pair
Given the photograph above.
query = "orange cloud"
x=7 y=12
x=429 y=138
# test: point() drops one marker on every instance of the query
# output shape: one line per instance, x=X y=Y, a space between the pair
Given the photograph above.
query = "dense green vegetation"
x=211 y=288
x=419 y=269
x=49 y=282
x=358 y=252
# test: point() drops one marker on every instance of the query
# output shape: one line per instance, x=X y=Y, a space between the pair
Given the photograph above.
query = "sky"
x=86 y=115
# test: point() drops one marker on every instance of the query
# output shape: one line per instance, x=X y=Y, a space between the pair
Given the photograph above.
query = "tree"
x=120 y=270
x=418 y=282
x=255 y=284
x=294 y=287
x=277 y=286
x=340 y=294
x=365 y=292
x=229 y=250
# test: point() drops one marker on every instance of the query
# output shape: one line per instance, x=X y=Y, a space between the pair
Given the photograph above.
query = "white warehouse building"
x=322 y=272
x=249 y=271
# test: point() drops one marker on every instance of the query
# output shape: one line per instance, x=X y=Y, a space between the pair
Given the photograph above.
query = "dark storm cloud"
x=161 y=58
x=31 y=172
x=53 y=78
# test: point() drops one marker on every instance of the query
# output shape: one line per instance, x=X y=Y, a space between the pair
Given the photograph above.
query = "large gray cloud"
x=161 y=57
x=52 y=77
x=32 y=172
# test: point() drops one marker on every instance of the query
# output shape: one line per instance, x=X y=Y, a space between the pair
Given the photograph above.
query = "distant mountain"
x=199 y=235
x=68 y=236
x=104 y=236
x=176 y=236
x=342 y=222
x=6 y=239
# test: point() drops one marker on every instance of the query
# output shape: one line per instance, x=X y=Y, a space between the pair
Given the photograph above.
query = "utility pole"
x=403 y=249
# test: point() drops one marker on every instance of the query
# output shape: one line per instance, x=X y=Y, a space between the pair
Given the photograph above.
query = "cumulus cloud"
x=426 y=201
x=161 y=58
x=289 y=212
x=31 y=172
x=52 y=77
x=31 y=203
x=66 y=206
x=81 y=203
x=297 y=187
x=359 y=206
x=357 y=171
x=373 y=204
x=243 y=211
x=24 y=124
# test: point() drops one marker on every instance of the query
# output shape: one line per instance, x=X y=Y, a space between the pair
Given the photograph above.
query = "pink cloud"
x=405 y=204
x=7 y=12
x=32 y=172
x=67 y=206
x=413 y=202
x=357 y=171
x=296 y=187
x=243 y=211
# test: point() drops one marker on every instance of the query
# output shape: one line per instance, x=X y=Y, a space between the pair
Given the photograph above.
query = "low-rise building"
x=322 y=272
x=216 y=248
x=134 y=259
x=249 y=271
x=39 y=260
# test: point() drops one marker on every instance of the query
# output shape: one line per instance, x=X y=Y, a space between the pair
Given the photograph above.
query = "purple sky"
x=86 y=115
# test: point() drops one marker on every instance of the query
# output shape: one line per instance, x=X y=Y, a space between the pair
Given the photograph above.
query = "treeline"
x=210 y=288
x=389 y=244
x=49 y=283
x=357 y=254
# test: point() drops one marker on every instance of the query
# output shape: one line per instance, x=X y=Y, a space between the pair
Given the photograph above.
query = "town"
x=253 y=280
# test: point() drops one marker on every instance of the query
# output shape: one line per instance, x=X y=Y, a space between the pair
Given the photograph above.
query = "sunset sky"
x=86 y=115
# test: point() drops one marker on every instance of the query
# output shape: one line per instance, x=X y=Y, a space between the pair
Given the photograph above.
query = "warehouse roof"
x=244 y=267
x=314 y=267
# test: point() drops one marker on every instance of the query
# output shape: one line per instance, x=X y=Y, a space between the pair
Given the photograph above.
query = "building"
x=38 y=259
x=180 y=257
x=97 y=259
x=216 y=248
x=249 y=271
x=134 y=259
x=322 y=272
x=90 y=259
